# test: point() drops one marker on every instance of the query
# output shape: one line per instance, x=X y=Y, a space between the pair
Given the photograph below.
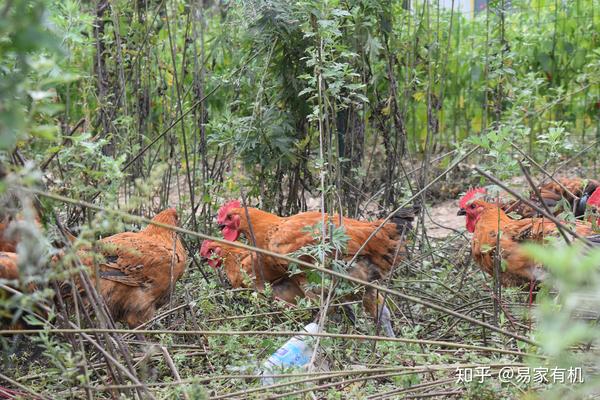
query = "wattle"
x=230 y=234
x=470 y=226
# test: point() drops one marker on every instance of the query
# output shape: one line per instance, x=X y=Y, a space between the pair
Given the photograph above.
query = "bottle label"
x=289 y=355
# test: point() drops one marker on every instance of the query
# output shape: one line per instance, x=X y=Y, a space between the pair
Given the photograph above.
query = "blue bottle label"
x=288 y=356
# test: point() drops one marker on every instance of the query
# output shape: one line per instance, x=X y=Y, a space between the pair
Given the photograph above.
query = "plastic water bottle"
x=296 y=352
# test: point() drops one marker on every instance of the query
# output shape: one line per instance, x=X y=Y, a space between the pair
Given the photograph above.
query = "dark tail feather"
x=404 y=217
x=594 y=240
x=581 y=205
x=550 y=202
x=591 y=187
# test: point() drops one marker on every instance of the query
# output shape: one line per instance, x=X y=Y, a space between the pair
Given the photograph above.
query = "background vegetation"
x=138 y=105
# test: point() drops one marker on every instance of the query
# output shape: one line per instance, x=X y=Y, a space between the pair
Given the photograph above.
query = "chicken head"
x=228 y=221
x=211 y=252
x=470 y=208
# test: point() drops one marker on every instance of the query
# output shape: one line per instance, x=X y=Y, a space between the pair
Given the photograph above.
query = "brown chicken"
x=485 y=220
x=139 y=269
x=10 y=317
x=11 y=211
x=6 y=244
x=285 y=235
x=552 y=193
x=9 y=272
x=8 y=266
x=239 y=263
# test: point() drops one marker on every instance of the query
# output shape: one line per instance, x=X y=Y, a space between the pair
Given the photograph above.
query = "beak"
x=461 y=212
x=221 y=227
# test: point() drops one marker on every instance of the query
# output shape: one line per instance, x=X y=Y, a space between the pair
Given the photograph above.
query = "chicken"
x=9 y=241
x=11 y=211
x=6 y=244
x=8 y=266
x=9 y=271
x=485 y=220
x=239 y=263
x=285 y=235
x=139 y=269
x=552 y=193
x=10 y=315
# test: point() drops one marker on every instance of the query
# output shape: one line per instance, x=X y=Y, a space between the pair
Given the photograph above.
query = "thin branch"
x=85 y=332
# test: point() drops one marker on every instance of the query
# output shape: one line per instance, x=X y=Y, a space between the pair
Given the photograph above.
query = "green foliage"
x=561 y=329
x=106 y=97
x=335 y=241
x=89 y=167
x=28 y=73
x=63 y=361
x=329 y=249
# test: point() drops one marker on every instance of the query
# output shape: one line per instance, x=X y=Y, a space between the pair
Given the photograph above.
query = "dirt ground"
x=441 y=219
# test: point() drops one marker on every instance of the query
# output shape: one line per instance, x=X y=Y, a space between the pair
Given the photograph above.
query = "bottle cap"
x=312 y=328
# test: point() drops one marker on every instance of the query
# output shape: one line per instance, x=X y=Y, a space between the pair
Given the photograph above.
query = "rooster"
x=239 y=263
x=285 y=235
x=577 y=194
x=496 y=234
x=139 y=269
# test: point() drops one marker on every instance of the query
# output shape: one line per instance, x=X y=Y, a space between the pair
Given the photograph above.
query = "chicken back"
x=138 y=270
x=574 y=191
x=496 y=234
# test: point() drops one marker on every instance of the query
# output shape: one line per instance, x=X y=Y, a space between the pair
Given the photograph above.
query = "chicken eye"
x=472 y=205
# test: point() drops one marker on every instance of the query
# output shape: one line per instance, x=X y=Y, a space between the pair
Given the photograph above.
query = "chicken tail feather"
x=594 y=240
x=403 y=219
x=581 y=204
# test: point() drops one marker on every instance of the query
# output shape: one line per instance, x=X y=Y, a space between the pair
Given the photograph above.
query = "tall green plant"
x=28 y=72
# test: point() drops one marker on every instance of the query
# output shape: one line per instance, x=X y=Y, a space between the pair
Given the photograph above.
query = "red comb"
x=225 y=209
x=204 y=249
x=470 y=195
x=594 y=199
